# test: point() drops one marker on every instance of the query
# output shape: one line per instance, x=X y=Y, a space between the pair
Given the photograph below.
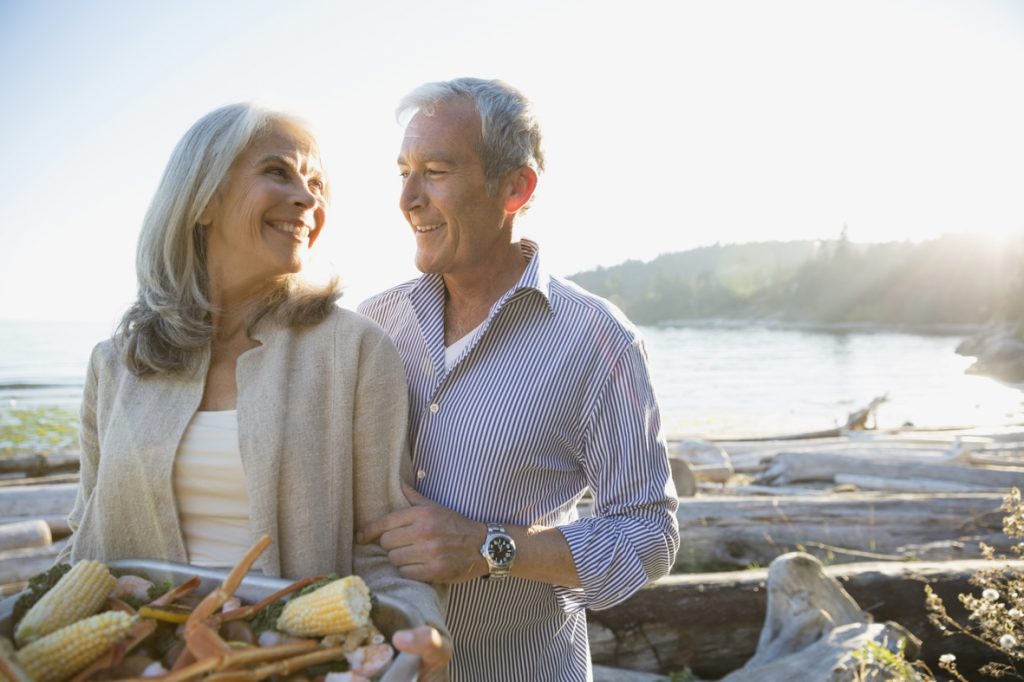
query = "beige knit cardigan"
x=322 y=415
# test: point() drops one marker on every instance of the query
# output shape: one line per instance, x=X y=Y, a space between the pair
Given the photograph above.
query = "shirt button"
x=421 y=474
x=434 y=407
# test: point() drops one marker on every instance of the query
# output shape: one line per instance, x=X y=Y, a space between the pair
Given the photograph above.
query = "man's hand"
x=433 y=648
x=428 y=542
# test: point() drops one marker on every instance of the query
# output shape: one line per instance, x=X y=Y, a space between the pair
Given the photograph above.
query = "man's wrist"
x=498 y=551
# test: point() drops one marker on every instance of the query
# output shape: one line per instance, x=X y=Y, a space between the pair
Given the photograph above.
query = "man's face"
x=457 y=223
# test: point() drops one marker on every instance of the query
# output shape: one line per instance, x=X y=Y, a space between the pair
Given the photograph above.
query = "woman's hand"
x=433 y=648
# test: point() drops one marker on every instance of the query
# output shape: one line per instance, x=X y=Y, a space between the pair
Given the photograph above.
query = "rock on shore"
x=998 y=351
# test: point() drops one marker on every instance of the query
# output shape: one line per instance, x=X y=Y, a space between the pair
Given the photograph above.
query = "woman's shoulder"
x=351 y=323
x=107 y=354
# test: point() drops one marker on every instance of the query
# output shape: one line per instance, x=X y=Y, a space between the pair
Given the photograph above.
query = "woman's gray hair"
x=511 y=134
x=170 y=322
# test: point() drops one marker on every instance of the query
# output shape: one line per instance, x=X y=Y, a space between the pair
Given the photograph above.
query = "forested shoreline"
x=957 y=284
x=954 y=281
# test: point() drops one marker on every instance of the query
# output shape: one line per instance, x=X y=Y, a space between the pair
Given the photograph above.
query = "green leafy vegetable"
x=37 y=586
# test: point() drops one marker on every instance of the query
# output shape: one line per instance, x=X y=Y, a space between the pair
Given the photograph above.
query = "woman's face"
x=268 y=211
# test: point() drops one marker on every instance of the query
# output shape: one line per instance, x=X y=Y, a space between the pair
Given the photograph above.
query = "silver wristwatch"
x=499 y=549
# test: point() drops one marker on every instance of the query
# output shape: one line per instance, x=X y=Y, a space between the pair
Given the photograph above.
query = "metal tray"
x=388 y=614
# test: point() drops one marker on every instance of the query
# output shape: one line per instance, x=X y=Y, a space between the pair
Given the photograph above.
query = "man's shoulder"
x=572 y=301
x=385 y=304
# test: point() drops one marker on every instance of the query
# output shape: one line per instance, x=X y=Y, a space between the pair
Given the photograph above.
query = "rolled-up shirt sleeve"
x=632 y=536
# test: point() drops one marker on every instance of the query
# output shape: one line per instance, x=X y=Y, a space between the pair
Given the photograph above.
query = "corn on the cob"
x=61 y=654
x=10 y=669
x=335 y=608
x=79 y=593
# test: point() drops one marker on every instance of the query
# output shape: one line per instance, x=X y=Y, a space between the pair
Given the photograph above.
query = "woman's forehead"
x=287 y=140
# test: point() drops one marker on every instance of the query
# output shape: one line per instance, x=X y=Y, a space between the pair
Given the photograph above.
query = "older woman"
x=235 y=400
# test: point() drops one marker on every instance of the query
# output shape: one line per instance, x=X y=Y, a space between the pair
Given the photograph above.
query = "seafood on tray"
x=91 y=625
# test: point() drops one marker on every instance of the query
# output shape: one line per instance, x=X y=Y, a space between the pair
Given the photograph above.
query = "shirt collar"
x=534 y=278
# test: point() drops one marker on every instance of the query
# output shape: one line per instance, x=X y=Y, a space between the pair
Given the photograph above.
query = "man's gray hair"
x=170 y=321
x=511 y=134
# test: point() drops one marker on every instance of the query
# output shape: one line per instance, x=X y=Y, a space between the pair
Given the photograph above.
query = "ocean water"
x=710 y=381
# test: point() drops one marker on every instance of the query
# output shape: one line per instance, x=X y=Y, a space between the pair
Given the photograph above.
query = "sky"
x=667 y=125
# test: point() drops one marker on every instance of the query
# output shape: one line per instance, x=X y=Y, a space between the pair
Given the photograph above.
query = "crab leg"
x=213 y=601
x=284 y=667
x=171 y=596
x=246 y=611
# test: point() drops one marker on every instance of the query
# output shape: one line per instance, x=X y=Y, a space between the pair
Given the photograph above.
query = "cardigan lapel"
x=261 y=436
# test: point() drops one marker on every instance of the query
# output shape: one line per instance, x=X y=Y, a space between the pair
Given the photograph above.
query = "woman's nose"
x=304 y=196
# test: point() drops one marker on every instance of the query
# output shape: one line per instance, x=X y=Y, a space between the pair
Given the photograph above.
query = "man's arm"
x=632 y=536
x=434 y=544
x=631 y=539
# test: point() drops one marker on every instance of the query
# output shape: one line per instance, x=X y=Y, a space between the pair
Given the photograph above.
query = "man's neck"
x=471 y=295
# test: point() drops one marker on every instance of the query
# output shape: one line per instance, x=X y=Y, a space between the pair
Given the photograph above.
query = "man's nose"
x=412 y=196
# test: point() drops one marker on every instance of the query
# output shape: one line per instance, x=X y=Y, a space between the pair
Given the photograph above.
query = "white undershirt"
x=209 y=486
x=452 y=352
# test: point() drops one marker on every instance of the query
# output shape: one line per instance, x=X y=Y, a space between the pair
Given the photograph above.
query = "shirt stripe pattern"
x=551 y=398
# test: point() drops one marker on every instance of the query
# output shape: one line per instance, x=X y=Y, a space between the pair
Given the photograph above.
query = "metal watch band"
x=495 y=569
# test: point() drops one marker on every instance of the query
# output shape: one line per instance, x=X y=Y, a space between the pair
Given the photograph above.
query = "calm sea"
x=711 y=381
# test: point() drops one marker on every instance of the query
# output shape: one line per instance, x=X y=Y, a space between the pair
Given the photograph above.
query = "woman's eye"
x=277 y=172
x=317 y=185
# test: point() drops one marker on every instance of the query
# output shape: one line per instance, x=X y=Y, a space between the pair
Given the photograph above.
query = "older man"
x=526 y=391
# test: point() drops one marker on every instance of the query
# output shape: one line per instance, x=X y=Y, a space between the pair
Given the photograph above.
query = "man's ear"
x=522 y=182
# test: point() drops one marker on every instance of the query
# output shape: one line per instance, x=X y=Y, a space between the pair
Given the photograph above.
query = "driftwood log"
x=721 y=532
x=40 y=464
x=35 y=533
x=49 y=502
x=711 y=622
x=814 y=630
x=21 y=564
x=796 y=467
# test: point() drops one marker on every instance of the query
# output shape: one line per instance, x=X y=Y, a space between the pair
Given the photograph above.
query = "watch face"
x=501 y=550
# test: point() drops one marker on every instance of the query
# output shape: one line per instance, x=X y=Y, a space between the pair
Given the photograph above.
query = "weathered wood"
x=22 y=564
x=711 y=622
x=24 y=534
x=750 y=489
x=856 y=421
x=794 y=467
x=36 y=501
x=51 y=479
x=603 y=673
x=813 y=629
x=741 y=531
x=58 y=523
x=40 y=463
x=905 y=485
x=707 y=461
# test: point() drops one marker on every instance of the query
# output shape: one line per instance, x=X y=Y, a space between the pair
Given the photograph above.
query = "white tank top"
x=209 y=486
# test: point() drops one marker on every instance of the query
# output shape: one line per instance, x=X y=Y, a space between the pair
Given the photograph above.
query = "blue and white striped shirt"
x=551 y=398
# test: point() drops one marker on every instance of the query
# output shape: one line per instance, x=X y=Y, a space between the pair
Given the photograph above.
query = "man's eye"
x=434 y=171
x=403 y=174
